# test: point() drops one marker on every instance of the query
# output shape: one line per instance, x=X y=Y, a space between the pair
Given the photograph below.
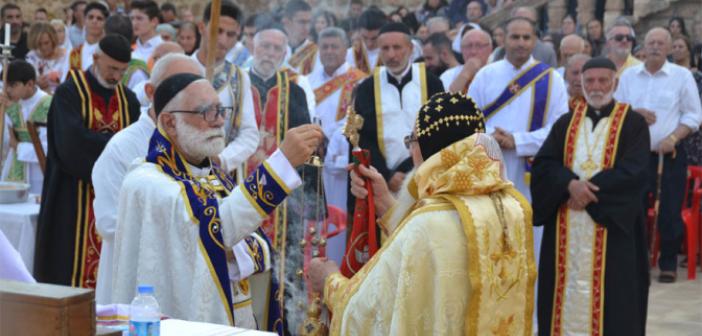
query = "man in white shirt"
x=363 y=55
x=666 y=95
x=179 y=214
x=233 y=86
x=518 y=117
x=81 y=57
x=144 y=16
x=476 y=47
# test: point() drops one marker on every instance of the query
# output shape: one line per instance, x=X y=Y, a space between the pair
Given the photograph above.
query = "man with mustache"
x=521 y=98
x=86 y=110
x=233 y=86
x=180 y=215
x=665 y=94
x=12 y=14
x=389 y=100
x=587 y=182
x=620 y=40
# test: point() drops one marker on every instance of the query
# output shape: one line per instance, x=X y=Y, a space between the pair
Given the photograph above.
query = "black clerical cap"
x=445 y=119
x=170 y=87
x=599 y=63
x=395 y=27
x=117 y=47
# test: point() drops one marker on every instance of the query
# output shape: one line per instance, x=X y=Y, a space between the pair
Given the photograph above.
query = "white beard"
x=604 y=98
x=196 y=143
x=102 y=81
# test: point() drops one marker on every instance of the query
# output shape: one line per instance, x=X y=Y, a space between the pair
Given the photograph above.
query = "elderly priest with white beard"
x=173 y=230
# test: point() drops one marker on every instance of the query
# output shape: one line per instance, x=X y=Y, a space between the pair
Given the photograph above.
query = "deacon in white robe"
x=514 y=117
x=165 y=236
x=333 y=84
x=504 y=91
x=34 y=108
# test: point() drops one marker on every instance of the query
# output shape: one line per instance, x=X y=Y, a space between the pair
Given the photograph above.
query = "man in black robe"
x=86 y=110
x=411 y=86
x=587 y=183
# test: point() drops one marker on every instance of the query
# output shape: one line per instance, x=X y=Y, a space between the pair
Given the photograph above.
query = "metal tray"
x=13 y=192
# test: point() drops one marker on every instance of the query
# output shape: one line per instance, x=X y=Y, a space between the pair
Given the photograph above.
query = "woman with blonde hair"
x=47 y=56
x=61 y=31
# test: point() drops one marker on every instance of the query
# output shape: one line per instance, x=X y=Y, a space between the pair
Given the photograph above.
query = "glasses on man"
x=623 y=37
x=211 y=113
x=409 y=139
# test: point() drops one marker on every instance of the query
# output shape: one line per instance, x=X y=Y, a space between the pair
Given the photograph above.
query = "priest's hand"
x=381 y=194
x=504 y=138
x=396 y=181
x=318 y=271
x=581 y=193
x=300 y=142
x=649 y=115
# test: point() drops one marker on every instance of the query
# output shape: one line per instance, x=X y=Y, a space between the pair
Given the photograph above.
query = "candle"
x=7 y=34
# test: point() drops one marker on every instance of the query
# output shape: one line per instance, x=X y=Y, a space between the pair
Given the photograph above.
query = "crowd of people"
x=494 y=153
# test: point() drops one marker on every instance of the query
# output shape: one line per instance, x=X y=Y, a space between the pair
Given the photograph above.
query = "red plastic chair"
x=691 y=218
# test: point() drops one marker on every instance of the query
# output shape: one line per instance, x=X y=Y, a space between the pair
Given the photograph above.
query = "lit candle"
x=7 y=34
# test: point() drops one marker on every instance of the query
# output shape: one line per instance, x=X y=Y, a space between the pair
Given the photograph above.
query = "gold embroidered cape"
x=460 y=261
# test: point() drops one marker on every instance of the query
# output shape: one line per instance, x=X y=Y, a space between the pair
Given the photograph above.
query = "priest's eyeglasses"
x=409 y=139
x=210 y=113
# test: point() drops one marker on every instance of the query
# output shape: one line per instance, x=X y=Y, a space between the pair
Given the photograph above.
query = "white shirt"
x=488 y=84
x=671 y=94
x=86 y=54
x=56 y=68
x=450 y=75
x=246 y=141
x=144 y=50
x=156 y=241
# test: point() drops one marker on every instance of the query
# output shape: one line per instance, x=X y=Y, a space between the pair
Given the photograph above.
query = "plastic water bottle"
x=144 y=313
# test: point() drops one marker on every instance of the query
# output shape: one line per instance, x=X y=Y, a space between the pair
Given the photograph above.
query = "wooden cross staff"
x=215 y=10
